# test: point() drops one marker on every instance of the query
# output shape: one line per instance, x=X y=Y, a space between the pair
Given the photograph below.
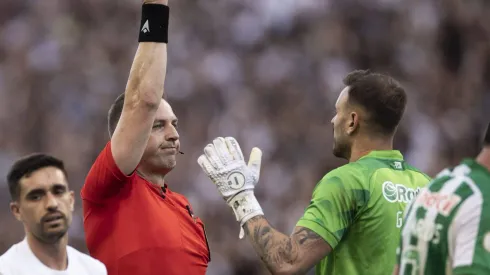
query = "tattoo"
x=305 y=234
x=281 y=252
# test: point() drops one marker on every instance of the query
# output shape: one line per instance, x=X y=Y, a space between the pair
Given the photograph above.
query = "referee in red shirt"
x=133 y=222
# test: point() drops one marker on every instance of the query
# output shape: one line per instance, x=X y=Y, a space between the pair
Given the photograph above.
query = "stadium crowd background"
x=267 y=72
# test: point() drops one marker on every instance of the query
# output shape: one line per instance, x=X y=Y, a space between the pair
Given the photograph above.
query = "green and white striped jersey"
x=447 y=227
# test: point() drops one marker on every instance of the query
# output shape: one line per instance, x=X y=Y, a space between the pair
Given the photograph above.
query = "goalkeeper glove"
x=224 y=164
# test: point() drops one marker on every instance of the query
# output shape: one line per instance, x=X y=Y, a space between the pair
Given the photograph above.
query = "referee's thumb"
x=255 y=161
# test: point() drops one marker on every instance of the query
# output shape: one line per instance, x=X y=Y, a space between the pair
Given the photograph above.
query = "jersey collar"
x=473 y=164
x=384 y=154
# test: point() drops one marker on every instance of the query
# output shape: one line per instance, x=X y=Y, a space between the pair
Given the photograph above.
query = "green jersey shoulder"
x=355 y=204
x=447 y=228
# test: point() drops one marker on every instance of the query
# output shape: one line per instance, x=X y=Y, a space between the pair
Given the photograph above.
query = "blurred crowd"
x=267 y=72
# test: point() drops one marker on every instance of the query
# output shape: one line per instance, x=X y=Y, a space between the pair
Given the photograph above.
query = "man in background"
x=352 y=224
x=43 y=202
x=447 y=228
x=133 y=222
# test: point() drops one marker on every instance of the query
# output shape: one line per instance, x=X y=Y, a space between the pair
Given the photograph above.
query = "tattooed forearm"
x=281 y=253
x=275 y=249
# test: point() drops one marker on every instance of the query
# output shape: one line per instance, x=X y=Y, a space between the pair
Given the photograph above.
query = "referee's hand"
x=224 y=164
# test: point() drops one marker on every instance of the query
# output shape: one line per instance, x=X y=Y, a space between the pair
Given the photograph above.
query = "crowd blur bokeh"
x=267 y=72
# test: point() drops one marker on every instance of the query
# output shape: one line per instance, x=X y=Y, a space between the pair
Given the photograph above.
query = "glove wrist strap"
x=245 y=206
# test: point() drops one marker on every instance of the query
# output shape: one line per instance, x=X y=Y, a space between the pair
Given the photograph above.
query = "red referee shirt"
x=135 y=228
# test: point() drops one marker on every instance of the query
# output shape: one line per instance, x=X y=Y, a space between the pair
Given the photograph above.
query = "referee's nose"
x=172 y=134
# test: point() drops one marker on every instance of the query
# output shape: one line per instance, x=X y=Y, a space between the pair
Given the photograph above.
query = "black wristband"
x=154 y=23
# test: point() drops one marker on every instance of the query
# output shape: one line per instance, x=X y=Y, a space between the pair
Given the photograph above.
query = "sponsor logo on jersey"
x=397 y=165
x=442 y=202
x=398 y=192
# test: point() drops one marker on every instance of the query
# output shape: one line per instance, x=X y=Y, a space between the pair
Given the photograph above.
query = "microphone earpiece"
x=180 y=152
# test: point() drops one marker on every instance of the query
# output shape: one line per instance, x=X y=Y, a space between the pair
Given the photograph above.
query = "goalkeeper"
x=352 y=225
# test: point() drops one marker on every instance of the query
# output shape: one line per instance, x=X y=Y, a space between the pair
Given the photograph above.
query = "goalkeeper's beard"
x=342 y=149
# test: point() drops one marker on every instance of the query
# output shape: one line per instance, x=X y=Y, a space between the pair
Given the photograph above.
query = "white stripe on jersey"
x=430 y=217
x=464 y=227
x=448 y=188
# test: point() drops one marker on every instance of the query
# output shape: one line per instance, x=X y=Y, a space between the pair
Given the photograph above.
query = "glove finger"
x=205 y=165
x=234 y=148
x=255 y=161
x=222 y=150
x=212 y=156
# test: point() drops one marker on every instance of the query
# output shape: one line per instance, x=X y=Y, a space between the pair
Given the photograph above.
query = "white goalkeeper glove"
x=224 y=164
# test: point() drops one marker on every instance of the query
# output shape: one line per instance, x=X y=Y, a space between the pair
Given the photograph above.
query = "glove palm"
x=224 y=164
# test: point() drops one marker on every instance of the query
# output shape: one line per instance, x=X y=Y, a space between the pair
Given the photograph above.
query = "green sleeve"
x=335 y=203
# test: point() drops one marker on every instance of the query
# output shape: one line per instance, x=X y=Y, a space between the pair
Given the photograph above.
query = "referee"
x=133 y=222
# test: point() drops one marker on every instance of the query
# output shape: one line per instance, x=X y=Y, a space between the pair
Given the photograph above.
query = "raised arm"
x=330 y=213
x=142 y=97
x=143 y=94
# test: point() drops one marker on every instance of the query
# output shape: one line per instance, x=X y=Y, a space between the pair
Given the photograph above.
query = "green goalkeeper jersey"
x=358 y=209
x=447 y=228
